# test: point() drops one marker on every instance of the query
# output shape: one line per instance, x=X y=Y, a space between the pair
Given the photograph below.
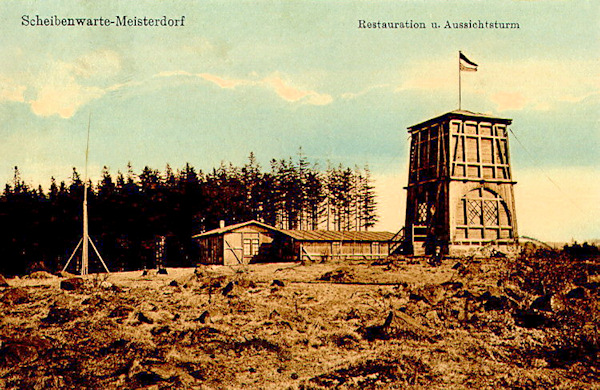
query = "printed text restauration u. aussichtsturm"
x=411 y=24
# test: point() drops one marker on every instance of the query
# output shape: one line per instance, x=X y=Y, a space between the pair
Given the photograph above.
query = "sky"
x=271 y=77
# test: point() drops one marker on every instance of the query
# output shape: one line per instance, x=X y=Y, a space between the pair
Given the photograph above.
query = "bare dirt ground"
x=395 y=324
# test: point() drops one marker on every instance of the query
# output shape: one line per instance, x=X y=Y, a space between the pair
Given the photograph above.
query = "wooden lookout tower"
x=460 y=186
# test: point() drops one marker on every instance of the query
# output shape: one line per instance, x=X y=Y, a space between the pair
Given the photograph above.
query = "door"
x=233 y=250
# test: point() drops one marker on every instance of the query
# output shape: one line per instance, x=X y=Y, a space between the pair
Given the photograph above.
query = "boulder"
x=15 y=296
x=120 y=312
x=73 y=284
x=19 y=351
x=530 y=319
x=40 y=275
x=542 y=303
x=496 y=303
x=580 y=279
x=511 y=292
x=60 y=315
x=417 y=298
x=106 y=285
x=464 y=294
x=375 y=332
x=453 y=285
x=340 y=275
x=65 y=274
x=204 y=317
x=227 y=289
x=576 y=293
x=144 y=318
x=3 y=282
x=485 y=296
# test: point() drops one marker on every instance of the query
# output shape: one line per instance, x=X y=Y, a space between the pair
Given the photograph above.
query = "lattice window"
x=422 y=213
x=483 y=216
x=490 y=213
x=473 y=212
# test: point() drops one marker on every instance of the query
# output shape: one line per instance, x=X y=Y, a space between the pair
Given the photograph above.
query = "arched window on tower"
x=482 y=216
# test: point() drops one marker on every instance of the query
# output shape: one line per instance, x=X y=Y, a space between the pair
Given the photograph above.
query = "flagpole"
x=459 y=82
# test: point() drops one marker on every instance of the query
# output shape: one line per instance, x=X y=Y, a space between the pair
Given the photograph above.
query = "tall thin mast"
x=85 y=256
x=86 y=239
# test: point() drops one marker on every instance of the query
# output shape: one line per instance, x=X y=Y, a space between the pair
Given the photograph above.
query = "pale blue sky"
x=271 y=77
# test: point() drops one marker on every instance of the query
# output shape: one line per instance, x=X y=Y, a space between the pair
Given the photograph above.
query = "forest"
x=130 y=212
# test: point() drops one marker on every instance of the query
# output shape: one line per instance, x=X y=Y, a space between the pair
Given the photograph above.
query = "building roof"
x=233 y=227
x=460 y=114
x=306 y=235
x=329 y=235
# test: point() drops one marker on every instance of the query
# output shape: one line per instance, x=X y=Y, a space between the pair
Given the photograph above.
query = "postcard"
x=198 y=138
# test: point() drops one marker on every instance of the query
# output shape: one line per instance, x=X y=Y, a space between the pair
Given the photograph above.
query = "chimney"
x=221 y=224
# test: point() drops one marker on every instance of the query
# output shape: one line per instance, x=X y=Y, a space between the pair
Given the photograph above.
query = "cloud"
x=354 y=95
x=318 y=99
x=11 y=91
x=217 y=80
x=61 y=90
x=281 y=87
x=223 y=83
x=509 y=101
x=173 y=73
x=293 y=94
x=63 y=99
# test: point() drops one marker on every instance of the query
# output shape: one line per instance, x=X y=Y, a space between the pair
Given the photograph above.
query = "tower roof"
x=460 y=114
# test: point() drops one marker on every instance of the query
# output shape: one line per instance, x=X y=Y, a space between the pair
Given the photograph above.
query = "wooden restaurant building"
x=256 y=242
x=321 y=245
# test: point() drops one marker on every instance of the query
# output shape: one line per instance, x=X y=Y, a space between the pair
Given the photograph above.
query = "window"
x=490 y=213
x=473 y=211
x=483 y=215
x=336 y=248
x=251 y=246
x=422 y=213
x=375 y=248
x=255 y=246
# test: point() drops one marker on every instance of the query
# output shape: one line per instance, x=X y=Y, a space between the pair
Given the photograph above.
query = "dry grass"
x=390 y=325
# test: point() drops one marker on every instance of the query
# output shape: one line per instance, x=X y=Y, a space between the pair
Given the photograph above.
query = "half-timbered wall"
x=479 y=150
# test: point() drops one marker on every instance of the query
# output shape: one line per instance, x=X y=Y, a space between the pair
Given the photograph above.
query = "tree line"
x=129 y=212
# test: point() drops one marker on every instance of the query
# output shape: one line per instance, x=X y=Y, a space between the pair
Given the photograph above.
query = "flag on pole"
x=466 y=65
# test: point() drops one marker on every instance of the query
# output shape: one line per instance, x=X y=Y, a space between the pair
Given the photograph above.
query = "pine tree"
x=251 y=178
x=106 y=187
x=368 y=201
